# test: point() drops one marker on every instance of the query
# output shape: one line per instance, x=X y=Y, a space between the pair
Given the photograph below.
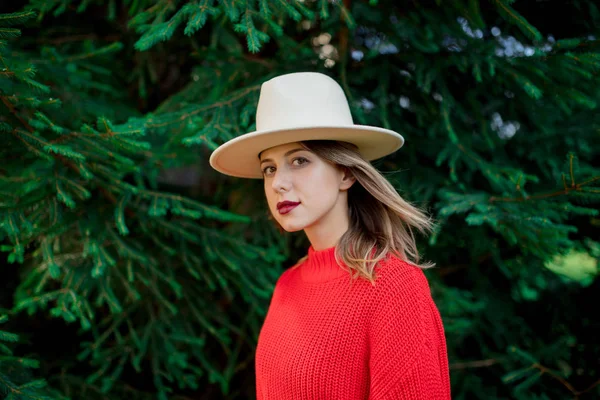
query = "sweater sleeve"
x=405 y=361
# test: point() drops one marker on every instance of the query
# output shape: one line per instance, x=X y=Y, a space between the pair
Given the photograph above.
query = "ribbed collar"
x=321 y=266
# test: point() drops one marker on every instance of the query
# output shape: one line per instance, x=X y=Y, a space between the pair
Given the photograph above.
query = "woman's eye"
x=304 y=161
x=300 y=158
x=265 y=170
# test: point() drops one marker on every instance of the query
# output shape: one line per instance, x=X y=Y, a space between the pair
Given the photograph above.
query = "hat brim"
x=239 y=156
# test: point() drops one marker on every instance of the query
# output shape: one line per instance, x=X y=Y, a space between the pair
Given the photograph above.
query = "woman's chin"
x=292 y=227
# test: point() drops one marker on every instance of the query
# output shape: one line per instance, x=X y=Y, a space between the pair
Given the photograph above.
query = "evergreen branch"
x=531 y=89
x=134 y=294
x=107 y=332
x=34 y=138
x=56 y=151
x=108 y=152
x=206 y=324
x=512 y=16
x=345 y=14
x=113 y=47
x=13 y=111
x=17 y=18
x=264 y=9
x=566 y=190
x=535 y=197
x=309 y=14
x=473 y=364
x=295 y=15
x=198 y=293
x=231 y=9
x=473 y=14
x=251 y=251
x=548 y=371
x=105 y=135
x=324 y=9
x=240 y=94
x=589 y=388
x=43 y=266
x=589 y=181
x=20 y=360
x=44 y=298
x=79 y=38
x=19 y=178
x=9 y=33
x=159 y=295
x=159 y=207
x=159 y=32
x=8 y=337
x=254 y=37
x=573 y=43
x=17 y=390
x=33 y=149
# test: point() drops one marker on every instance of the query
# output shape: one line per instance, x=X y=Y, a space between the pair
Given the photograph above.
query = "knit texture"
x=328 y=337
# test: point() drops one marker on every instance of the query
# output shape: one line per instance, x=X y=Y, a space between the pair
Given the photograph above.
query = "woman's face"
x=292 y=173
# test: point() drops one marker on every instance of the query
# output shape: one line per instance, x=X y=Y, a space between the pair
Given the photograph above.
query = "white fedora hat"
x=296 y=107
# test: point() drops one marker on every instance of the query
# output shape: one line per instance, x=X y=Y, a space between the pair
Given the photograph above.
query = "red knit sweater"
x=327 y=338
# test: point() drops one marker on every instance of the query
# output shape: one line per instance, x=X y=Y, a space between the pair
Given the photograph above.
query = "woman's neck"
x=327 y=232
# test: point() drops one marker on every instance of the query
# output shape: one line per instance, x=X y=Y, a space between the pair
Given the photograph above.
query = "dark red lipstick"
x=285 y=207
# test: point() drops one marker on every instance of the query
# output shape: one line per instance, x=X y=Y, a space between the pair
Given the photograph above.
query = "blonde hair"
x=380 y=218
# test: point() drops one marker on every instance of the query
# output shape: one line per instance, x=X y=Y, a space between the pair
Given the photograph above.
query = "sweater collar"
x=321 y=266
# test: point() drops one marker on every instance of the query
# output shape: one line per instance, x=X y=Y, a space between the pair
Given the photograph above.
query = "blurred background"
x=130 y=269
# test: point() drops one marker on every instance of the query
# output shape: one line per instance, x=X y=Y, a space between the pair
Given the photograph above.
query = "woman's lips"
x=287 y=209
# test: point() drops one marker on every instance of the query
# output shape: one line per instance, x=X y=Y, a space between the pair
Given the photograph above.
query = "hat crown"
x=302 y=99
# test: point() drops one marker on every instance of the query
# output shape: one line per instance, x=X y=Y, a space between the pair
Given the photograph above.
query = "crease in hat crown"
x=297 y=107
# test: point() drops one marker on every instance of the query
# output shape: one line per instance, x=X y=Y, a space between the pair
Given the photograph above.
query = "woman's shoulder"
x=401 y=296
x=392 y=265
x=398 y=274
x=288 y=276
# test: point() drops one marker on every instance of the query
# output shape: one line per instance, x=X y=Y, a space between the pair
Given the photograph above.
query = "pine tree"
x=16 y=380
x=120 y=238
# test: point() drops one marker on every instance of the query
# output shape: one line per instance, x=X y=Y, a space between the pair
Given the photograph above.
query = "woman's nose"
x=281 y=180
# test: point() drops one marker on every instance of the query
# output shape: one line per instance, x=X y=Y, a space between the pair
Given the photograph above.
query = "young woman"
x=354 y=318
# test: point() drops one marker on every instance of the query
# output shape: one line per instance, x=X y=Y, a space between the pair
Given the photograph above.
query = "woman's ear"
x=348 y=179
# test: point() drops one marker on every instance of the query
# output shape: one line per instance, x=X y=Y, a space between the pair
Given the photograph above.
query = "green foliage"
x=16 y=383
x=113 y=223
x=100 y=244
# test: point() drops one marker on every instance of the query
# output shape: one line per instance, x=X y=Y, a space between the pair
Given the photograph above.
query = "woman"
x=354 y=318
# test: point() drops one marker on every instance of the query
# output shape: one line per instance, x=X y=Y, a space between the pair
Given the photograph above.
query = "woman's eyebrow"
x=285 y=155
